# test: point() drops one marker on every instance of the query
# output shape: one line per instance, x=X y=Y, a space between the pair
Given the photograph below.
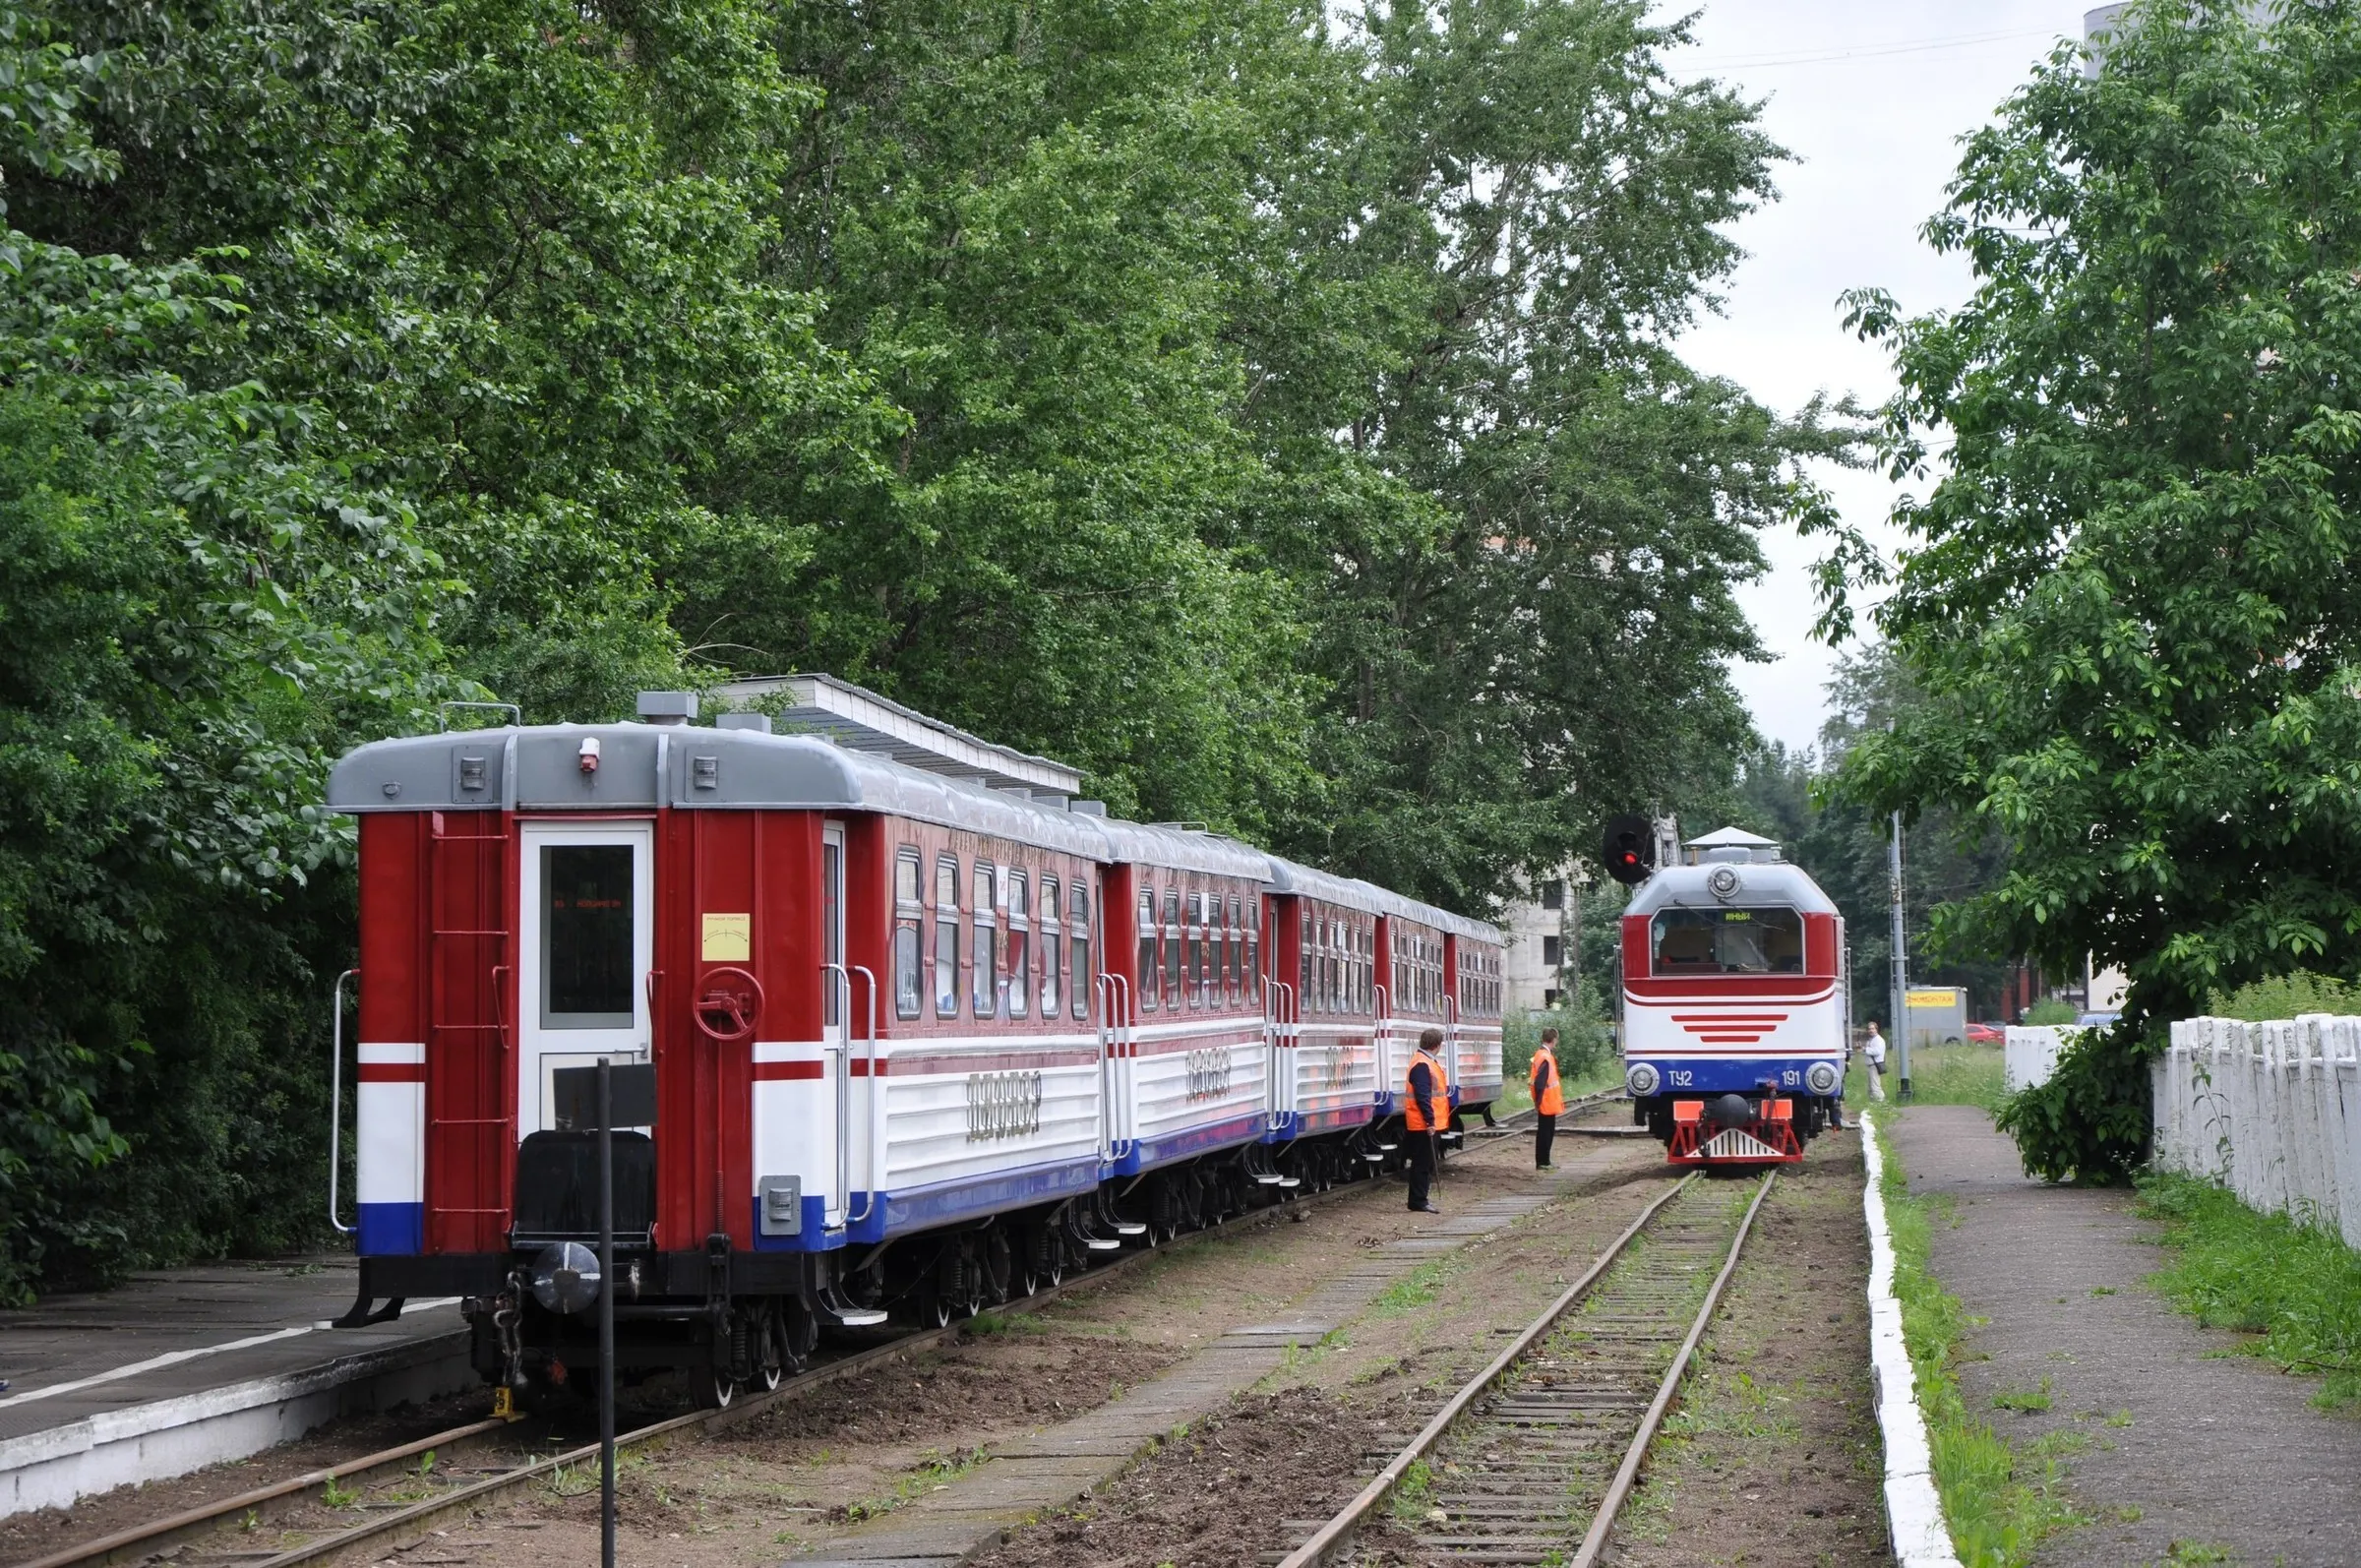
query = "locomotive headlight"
x=1641 y=1080
x=565 y=1277
x=1822 y=1077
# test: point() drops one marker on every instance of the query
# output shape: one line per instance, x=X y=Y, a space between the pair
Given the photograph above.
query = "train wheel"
x=999 y=1268
x=715 y=1388
x=771 y=1356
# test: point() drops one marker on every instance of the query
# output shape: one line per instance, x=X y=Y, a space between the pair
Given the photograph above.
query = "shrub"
x=2089 y=1122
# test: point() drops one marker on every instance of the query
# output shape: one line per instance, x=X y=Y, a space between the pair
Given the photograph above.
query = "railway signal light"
x=1630 y=853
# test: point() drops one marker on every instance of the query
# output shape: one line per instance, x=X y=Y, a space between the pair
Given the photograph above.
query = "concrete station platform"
x=189 y=1367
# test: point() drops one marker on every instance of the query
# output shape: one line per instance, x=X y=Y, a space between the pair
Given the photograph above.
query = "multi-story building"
x=1539 y=956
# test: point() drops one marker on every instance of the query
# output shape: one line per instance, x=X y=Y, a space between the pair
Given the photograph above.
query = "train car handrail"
x=869 y=1194
x=336 y=1097
x=833 y=975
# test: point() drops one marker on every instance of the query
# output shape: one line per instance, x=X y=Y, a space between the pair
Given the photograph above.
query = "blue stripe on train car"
x=391 y=1230
x=917 y=1208
x=1680 y=1075
x=1311 y=1121
x=811 y=1235
x=1148 y=1154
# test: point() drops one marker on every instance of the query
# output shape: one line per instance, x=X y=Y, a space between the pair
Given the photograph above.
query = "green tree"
x=1519 y=559
x=203 y=601
x=2130 y=599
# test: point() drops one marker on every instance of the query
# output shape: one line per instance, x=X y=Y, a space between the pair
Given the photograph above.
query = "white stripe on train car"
x=389 y=1153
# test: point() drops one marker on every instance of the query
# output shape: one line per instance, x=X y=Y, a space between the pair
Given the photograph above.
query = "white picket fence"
x=2271 y=1111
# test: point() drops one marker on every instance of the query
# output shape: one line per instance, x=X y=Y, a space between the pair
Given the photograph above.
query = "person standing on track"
x=1425 y=1111
x=1873 y=1051
x=1549 y=1098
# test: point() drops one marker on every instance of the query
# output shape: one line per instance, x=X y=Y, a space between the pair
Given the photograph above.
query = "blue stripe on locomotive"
x=1679 y=1076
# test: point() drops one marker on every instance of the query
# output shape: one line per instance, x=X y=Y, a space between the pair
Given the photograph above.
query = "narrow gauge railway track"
x=485 y=1439
x=1532 y=1459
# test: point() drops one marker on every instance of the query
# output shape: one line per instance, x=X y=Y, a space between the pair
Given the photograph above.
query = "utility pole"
x=1901 y=973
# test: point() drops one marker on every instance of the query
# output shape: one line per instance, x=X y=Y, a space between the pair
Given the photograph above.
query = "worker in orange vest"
x=1425 y=1112
x=1549 y=1098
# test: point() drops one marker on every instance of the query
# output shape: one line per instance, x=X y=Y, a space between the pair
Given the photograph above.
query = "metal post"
x=1902 y=974
x=606 y=1313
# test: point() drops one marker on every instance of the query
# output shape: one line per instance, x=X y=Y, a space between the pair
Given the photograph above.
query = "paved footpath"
x=1048 y=1469
x=2221 y=1452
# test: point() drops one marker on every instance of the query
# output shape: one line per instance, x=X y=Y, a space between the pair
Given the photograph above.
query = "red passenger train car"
x=888 y=1040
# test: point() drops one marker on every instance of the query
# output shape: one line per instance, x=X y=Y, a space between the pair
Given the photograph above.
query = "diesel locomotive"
x=1735 y=1001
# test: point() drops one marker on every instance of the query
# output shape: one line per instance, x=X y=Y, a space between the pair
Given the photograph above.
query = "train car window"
x=1171 y=946
x=1148 y=952
x=908 y=914
x=1053 y=951
x=1195 y=939
x=1726 y=941
x=1077 y=930
x=946 y=936
x=1019 y=943
x=1254 y=949
x=586 y=937
x=984 y=975
x=1238 y=955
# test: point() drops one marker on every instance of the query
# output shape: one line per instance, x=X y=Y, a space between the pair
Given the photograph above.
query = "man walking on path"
x=1549 y=1098
x=1873 y=1051
x=1425 y=1111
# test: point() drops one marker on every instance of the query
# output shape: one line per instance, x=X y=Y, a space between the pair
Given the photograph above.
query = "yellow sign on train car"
x=729 y=939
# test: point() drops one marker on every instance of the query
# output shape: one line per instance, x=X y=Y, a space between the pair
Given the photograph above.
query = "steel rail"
x=1325 y=1542
x=1626 y=1474
x=1335 y=1532
x=143 y=1539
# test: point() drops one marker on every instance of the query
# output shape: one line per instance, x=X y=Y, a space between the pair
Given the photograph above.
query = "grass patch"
x=936 y=1471
x=1416 y=1287
x=2023 y=1401
x=2297 y=1286
x=1940 y=1075
x=1999 y=1504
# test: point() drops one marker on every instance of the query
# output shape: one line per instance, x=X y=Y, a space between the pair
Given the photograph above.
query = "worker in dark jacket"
x=1425 y=1112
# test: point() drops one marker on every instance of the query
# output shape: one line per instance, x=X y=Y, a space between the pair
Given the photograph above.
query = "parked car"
x=1984 y=1035
x=2096 y=1020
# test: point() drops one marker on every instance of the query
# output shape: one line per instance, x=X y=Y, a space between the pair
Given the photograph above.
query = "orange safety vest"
x=1548 y=1096
x=1414 y=1109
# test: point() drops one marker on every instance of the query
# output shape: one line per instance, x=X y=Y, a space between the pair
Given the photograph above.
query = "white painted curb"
x=167 y=1437
x=1913 y=1511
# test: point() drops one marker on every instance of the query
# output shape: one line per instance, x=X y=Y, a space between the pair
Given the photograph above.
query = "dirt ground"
x=1773 y=1457
x=1289 y=1453
x=748 y=1494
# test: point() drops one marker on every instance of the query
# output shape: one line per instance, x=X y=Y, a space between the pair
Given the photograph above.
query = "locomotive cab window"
x=1726 y=941
x=586 y=937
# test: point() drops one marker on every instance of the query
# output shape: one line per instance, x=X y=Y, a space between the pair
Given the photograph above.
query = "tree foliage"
x=2130 y=598
x=1264 y=405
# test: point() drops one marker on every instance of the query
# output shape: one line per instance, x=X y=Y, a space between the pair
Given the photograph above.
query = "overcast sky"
x=1871 y=98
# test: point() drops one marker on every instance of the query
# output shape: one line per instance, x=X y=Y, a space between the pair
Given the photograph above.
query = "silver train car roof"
x=1287 y=877
x=1773 y=884
x=692 y=768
